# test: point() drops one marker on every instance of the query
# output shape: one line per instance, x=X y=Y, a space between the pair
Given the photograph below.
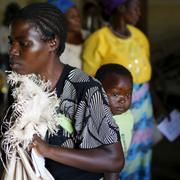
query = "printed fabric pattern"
x=138 y=159
x=84 y=103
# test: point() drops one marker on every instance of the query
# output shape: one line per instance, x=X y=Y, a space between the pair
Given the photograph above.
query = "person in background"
x=75 y=36
x=122 y=43
x=118 y=83
x=3 y=94
x=91 y=16
x=11 y=9
x=37 y=39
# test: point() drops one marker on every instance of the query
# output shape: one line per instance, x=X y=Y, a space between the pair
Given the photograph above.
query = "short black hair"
x=48 y=19
x=110 y=69
x=10 y=11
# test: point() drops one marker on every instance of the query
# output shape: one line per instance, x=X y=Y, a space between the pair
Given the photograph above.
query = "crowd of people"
x=101 y=76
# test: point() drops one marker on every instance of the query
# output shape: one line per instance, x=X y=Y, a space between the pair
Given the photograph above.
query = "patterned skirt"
x=138 y=159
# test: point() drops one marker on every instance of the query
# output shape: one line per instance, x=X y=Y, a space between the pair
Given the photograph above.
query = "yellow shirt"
x=103 y=47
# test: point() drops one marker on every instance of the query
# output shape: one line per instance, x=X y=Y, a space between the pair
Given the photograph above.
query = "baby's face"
x=119 y=92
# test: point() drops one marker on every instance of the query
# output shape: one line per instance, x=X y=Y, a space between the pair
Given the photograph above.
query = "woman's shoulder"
x=81 y=85
x=100 y=33
x=137 y=33
x=78 y=76
x=135 y=30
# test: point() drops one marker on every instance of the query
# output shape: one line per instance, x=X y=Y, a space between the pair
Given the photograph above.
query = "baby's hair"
x=48 y=19
x=110 y=69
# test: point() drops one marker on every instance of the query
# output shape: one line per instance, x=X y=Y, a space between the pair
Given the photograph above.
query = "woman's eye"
x=24 y=43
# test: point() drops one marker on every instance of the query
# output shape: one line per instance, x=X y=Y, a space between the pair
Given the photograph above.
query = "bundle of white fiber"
x=34 y=111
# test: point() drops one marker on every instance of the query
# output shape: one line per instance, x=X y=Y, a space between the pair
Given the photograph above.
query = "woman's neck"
x=56 y=75
x=120 y=29
x=53 y=72
x=75 y=38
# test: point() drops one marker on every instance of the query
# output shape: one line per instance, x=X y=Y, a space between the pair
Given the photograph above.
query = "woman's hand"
x=41 y=146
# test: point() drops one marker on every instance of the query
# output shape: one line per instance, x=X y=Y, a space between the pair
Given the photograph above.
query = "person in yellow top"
x=105 y=47
x=108 y=46
x=122 y=43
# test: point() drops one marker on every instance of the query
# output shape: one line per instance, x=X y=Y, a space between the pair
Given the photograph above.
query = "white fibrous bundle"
x=33 y=111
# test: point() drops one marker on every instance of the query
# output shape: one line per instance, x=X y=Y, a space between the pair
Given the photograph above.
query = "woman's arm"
x=106 y=158
x=111 y=176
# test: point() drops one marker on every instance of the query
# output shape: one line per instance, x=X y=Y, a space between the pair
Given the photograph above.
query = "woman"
x=124 y=44
x=37 y=37
x=92 y=19
x=75 y=34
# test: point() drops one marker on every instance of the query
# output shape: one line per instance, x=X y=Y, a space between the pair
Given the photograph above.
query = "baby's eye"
x=128 y=95
x=115 y=94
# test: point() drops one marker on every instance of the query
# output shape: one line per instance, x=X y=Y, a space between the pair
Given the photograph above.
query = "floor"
x=166 y=160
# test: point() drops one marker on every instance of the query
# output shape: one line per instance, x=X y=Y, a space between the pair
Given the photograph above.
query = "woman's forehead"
x=22 y=28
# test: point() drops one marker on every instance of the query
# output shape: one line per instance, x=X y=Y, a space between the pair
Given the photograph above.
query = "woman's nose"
x=14 y=49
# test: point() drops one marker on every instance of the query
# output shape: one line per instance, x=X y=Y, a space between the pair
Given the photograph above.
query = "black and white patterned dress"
x=84 y=102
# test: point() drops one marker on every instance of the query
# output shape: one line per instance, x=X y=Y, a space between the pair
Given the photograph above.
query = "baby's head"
x=118 y=83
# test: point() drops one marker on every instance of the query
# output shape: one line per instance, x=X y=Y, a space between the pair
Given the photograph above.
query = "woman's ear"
x=53 y=44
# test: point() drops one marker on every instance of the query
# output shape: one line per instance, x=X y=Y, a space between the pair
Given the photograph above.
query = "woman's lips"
x=14 y=65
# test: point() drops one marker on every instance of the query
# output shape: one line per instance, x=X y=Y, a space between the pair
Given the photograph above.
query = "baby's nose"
x=121 y=100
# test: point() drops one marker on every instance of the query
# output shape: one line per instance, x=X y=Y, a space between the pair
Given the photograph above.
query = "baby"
x=118 y=83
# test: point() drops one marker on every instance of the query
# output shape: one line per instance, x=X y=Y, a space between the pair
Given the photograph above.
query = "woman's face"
x=73 y=20
x=133 y=12
x=119 y=92
x=28 y=52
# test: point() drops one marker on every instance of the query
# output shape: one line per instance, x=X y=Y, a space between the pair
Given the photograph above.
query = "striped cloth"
x=138 y=159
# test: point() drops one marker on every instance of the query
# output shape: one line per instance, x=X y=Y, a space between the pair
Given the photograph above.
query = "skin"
x=30 y=54
x=133 y=12
x=124 y=15
x=119 y=92
x=74 y=26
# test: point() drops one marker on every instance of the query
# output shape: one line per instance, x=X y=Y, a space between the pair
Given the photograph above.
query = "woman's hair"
x=48 y=19
x=110 y=70
x=10 y=11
